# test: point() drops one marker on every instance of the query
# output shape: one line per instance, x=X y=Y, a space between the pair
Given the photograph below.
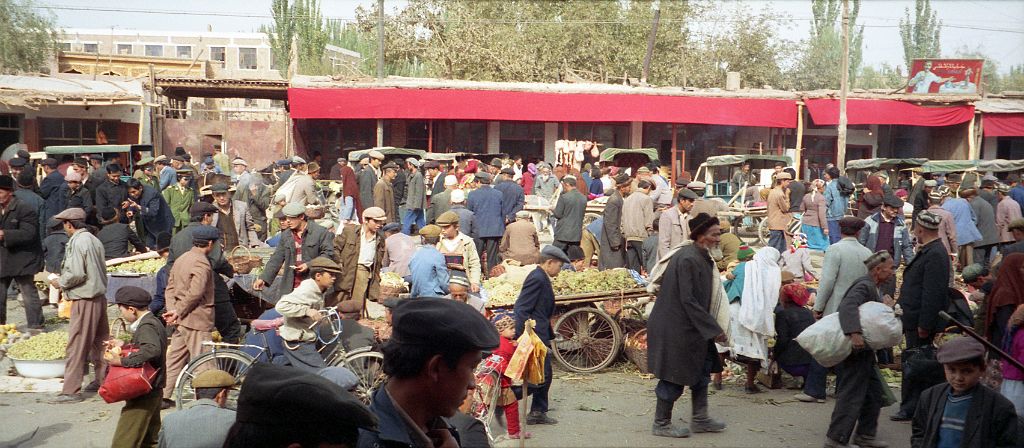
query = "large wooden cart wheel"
x=762 y=232
x=586 y=340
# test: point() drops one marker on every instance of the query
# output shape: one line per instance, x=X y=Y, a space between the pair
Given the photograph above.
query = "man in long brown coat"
x=384 y=193
x=359 y=249
x=189 y=305
x=520 y=241
x=778 y=212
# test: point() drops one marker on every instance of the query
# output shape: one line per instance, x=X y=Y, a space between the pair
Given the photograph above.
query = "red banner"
x=826 y=112
x=1003 y=125
x=946 y=76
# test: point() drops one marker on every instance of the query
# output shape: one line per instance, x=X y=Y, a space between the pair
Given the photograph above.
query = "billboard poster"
x=949 y=76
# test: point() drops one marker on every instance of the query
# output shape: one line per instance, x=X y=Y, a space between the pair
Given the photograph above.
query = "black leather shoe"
x=900 y=417
x=539 y=418
x=166 y=404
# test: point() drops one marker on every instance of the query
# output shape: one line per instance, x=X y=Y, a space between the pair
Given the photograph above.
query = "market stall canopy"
x=320 y=98
x=737 y=159
x=1001 y=165
x=949 y=166
x=867 y=164
x=34 y=91
x=388 y=151
x=1003 y=125
x=609 y=154
x=825 y=112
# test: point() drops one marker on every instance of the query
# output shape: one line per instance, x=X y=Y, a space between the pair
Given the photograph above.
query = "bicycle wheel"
x=485 y=402
x=232 y=361
x=368 y=365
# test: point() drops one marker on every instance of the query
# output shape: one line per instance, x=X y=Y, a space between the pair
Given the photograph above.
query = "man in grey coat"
x=206 y=422
x=569 y=211
x=368 y=176
x=415 y=197
x=986 y=223
x=613 y=243
x=843 y=265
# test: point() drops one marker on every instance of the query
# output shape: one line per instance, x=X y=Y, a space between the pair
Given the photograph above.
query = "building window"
x=91 y=48
x=65 y=46
x=124 y=48
x=247 y=58
x=250 y=102
x=70 y=131
x=217 y=54
x=522 y=139
x=155 y=50
x=184 y=52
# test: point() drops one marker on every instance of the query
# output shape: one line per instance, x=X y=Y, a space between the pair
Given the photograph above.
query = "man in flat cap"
x=922 y=296
x=233 y=219
x=537 y=301
x=280 y=407
x=673 y=224
x=1017 y=230
x=613 y=242
x=985 y=220
x=190 y=304
x=17 y=166
x=859 y=394
x=384 y=193
x=779 y=216
x=301 y=311
x=360 y=248
x=430 y=358
x=486 y=203
x=139 y=423
x=53 y=189
x=568 y=213
x=300 y=186
x=1007 y=211
x=683 y=330
x=947 y=230
x=206 y=422
x=458 y=248
x=520 y=241
x=83 y=280
x=166 y=174
x=428 y=272
x=240 y=173
x=21 y=255
x=180 y=199
x=367 y=179
x=78 y=196
x=885 y=230
x=415 y=197
x=967 y=232
x=512 y=196
x=315 y=241
x=963 y=411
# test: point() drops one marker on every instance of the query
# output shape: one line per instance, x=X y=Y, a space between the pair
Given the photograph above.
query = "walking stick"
x=970 y=332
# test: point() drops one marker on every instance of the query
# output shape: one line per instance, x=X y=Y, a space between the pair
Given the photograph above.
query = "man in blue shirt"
x=512 y=196
x=1017 y=192
x=428 y=271
x=835 y=204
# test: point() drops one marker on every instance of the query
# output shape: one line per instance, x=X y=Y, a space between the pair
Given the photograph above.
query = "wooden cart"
x=589 y=328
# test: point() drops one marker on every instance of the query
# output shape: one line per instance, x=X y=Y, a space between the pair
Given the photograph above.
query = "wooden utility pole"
x=650 y=42
x=380 y=63
x=841 y=140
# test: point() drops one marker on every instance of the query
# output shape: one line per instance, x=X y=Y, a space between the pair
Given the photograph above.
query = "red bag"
x=125 y=383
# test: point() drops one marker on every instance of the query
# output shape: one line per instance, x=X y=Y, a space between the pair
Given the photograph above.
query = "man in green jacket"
x=180 y=199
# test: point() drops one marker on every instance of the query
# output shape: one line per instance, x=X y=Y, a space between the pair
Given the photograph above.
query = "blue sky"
x=974 y=24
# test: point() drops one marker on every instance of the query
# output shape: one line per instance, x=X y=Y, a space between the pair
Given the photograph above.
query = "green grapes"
x=150 y=266
x=42 y=347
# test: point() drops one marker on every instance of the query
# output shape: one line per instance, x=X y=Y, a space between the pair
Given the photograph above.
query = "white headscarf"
x=761 y=283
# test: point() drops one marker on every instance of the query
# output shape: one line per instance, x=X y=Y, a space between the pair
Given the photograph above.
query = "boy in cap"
x=301 y=311
x=83 y=279
x=430 y=359
x=139 y=424
x=963 y=412
x=190 y=304
x=428 y=273
x=279 y=407
x=458 y=248
x=78 y=196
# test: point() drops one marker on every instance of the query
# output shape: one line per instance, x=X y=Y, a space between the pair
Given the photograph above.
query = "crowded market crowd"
x=955 y=245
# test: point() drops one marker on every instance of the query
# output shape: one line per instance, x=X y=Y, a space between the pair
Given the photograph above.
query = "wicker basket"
x=244 y=264
x=387 y=292
x=638 y=356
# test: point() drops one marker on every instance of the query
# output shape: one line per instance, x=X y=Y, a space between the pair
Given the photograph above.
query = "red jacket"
x=505 y=349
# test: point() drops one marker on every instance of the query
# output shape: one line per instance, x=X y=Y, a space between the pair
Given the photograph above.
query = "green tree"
x=819 y=66
x=884 y=77
x=749 y=46
x=27 y=38
x=302 y=22
x=1015 y=80
x=920 y=33
x=991 y=80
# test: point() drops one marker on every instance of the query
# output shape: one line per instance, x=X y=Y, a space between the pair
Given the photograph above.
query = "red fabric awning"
x=451 y=104
x=859 y=111
x=1002 y=125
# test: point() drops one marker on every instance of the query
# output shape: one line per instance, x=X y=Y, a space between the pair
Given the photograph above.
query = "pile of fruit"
x=41 y=347
x=501 y=291
x=393 y=280
x=592 y=280
x=9 y=334
x=150 y=266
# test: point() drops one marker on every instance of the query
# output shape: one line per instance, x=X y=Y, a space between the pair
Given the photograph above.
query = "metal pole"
x=650 y=42
x=380 y=63
x=841 y=140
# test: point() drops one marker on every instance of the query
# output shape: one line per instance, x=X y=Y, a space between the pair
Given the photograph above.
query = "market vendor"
x=116 y=236
x=459 y=250
x=301 y=309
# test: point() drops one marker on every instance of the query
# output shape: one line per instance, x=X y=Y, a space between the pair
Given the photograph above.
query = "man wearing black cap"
x=885 y=230
x=367 y=179
x=673 y=225
x=21 y=255
x=301 y=311
x=117 y=237
x=111 y=192
x=568 y=213
x=613 y=243
x=384 y=192
x=168 y=176
x=139 y=423
x=233 y=219
x=189 y=304
x=537 y=301
x=53 y=189
x=279 y=407
x=430 y=359
x=682 y=332
x=415 y=197
x=842 y=267
x=512 y=197
x=17 y=166
x=487 y=204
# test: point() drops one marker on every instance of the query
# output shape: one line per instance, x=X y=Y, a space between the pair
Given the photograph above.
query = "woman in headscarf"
x=797 y=259
x=814 y=224
x=752 y=320
x=596 y=187
x=528 y=175
x=870 y=198
x=348 y=203
x=1006 y=295
x=791 y=318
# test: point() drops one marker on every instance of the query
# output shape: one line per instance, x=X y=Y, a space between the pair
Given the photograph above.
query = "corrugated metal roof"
x=29 y=91
x=1000 y=106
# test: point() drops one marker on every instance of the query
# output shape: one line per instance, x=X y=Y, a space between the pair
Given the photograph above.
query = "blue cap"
x=205 y=233
x=284 y=162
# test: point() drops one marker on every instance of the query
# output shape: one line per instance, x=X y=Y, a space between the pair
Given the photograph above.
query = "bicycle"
x=484 y=398
x=366 y=363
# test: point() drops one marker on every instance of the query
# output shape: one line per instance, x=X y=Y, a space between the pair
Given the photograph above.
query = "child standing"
x=506 y=326
x=1013 y=378
x=963 y=412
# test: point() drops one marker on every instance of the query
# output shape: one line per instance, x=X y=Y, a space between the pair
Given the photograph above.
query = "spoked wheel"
x=762 y=232
x=234 y=362
x=368 y=366
x=586 y=340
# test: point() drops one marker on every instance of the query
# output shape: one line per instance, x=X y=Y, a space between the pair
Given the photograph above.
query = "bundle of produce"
x=392 y=284
x=592 y=280
x=150 y=266
x=381 y=329
x=502 y=291
x=635 y=348
x=42 y=347
x=9 y=334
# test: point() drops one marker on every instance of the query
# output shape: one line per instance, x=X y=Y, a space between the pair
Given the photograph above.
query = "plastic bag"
x=825 y=340
x=527 y=362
